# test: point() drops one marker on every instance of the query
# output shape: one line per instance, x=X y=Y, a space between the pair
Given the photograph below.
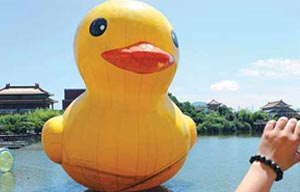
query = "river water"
x=215 y=164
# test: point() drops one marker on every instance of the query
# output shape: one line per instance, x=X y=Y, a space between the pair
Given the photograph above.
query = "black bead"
x=278 y=178
x=273 y=165
x=268 y=162
x=262 y=158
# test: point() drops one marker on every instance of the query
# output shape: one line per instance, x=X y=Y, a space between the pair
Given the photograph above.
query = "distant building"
x=20 y=99
x=70 y=96
x=213 y=105
x=279 y=108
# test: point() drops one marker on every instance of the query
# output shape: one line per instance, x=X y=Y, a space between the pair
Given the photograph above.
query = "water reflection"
x=156 y=189
x=7 y=182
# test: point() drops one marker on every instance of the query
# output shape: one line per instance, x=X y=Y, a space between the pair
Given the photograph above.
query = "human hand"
x=280 y=142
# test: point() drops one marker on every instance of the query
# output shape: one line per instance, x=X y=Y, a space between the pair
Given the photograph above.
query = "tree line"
x=224 y=120
x=30 y=122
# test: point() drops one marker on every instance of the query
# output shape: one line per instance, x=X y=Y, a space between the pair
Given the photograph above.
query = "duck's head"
x=126 y=46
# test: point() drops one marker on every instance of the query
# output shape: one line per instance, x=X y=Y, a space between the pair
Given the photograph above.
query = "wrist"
x=259 y=177
x=264 y=170
x=268 y=163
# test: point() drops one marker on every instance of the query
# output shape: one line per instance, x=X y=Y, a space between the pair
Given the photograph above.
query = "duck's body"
x=123 y=134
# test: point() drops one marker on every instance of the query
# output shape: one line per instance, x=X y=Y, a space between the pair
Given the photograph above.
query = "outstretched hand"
x=280 y=142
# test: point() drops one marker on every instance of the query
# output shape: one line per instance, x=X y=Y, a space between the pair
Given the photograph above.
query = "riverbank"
x=18 y=141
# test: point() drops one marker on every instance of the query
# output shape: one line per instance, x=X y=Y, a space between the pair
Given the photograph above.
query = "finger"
x=291 y=125
x=297 y=159
x=270 y=125
x=281 y=123
x=297 y=129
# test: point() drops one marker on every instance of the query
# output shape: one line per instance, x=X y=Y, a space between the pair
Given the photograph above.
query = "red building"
x=20 y=99
x=279 y=109
x=70 y=96
x=213 y=105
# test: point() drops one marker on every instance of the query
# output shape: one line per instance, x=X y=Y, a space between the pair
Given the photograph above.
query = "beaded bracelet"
x=269 y=163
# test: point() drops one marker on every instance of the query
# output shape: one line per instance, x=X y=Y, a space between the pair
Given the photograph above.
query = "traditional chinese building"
x=20 y=99
x=70 y=96
x=279 y=109
x=213 y=105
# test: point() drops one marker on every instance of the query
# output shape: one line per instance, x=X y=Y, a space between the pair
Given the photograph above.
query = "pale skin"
x=279 y=143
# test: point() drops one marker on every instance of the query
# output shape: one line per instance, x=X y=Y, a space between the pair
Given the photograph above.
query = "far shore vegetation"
x=30 y=122
x=224 y=120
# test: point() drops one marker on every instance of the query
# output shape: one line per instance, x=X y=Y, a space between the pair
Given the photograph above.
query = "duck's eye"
x=174 y=37
x=98 y=27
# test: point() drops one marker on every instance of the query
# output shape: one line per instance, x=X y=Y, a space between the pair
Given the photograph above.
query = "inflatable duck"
x=123 y=133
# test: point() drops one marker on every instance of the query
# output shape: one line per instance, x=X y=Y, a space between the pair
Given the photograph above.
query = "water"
x=215 y=164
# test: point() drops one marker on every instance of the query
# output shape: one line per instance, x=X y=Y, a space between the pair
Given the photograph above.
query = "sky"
x=243 y=53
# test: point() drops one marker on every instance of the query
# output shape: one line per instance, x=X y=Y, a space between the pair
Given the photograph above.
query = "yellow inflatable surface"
x=123 y=133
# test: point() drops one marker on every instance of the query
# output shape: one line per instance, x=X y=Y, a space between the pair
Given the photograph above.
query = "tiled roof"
x=48 y=100
x=214 y=102
x=276 y=104
x=23 y=90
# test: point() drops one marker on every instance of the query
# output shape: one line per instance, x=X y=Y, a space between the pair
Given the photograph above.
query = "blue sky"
x=242 y=53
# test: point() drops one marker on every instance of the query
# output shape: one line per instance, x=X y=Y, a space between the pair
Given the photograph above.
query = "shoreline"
x=18 y=141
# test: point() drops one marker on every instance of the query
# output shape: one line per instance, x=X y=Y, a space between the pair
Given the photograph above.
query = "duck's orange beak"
x=142 y=58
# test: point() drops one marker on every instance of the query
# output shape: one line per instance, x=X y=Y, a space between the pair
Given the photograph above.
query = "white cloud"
x=273 y=68
x=225 y=85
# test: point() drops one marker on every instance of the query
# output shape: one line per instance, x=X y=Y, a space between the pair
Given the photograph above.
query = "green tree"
x=224 y=120
x=245 y=115
x=213 y=123
x=260 y=116
x=39 y=117
x=23 y=123
x=226 y=112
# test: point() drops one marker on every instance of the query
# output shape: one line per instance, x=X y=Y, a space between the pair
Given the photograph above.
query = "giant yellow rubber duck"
x=123 y=133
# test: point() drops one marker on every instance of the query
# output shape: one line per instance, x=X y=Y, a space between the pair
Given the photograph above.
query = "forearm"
x=259 y=178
